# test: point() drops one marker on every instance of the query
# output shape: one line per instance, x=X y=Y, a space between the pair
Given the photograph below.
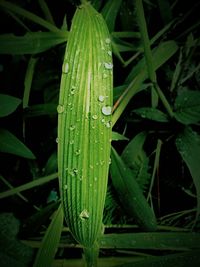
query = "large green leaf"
x=47 y=251
x=9 y=143
x=30 y=43
x=188 y=145
x=187 y=107
x=8 y=104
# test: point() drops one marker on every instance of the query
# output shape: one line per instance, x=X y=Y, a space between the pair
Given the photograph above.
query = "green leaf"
x=152 y=241
x=161 y=54
x=116 y=136
x=136 y=159
x=110 y=11
x=188 y=145
x=183 y=259
x=47 y=251
x=29 y=15
x=36 y=182
x=11 y=144
x=151 y=114
x=130 y=193
x=30 y=43
x=187 y=107
x=8 y=104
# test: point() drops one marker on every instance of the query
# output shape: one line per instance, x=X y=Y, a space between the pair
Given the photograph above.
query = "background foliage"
x=156 y=141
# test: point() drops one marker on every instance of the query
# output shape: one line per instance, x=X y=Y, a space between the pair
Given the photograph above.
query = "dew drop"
x=65 y=67
x=78 y=152
x=108 y=65
x=95 y=117
x=65 y=187
x=101 y=98
x=75 y=171
x=57 y=140
x=84 y=215
x=72 y=127
x=106 y=110
x=109 y=53
x=71 y=142
x=108 y=41
x=60 y=109
x=105 y=75
x=95 y=178
x=108 y=124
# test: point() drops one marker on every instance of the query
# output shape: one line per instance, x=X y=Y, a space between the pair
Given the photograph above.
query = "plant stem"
x=91 y=255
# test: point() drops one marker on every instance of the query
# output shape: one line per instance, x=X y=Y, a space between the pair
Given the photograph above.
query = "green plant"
x=155 y=130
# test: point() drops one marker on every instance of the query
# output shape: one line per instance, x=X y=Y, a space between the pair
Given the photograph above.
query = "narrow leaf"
x=11 y=144
x=29 y=15
x=37 y=182
x=160 y=56
x=8 y=104
x=30 y=43
x=153 y=241
x=183 y=259
x=116 y=136
x=130 y=193
x=136 y=159
x=187 y=107
x=188 y=145
x=110 y=11
x=47 y=251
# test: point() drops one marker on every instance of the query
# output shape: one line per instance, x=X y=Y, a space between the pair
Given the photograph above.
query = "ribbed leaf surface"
x=84 y=124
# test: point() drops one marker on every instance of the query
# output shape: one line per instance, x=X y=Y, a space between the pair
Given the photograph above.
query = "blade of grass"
x=28 y=81
x=152 y=240
x=110 y=11
x=37 y=182
x=191 y=258
x=30 y=43
x=155 y=169
x=50 y=242
x=161 y=55
x=147 y=50
x=46 y=11
x=30 y=16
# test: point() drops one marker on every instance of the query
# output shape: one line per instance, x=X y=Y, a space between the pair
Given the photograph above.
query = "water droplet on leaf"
x=106 y=110
x=108 y=65
x=65 y=67
x=60 y=109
